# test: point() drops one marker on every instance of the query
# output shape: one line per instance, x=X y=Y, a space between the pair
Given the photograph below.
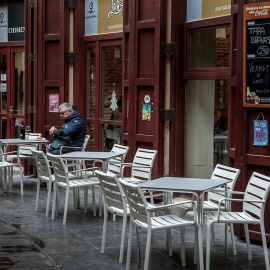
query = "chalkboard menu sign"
x=257 y=55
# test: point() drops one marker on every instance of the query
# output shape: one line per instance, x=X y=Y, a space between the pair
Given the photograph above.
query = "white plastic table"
x=196 y=186
x=4 y=143
x=102 y=157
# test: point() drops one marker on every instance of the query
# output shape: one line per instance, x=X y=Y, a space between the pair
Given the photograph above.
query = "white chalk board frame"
x=255 y=11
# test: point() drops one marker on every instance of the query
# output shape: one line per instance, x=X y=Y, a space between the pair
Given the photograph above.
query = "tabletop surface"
x=90 y=155
x=181 y=183
x=19 y=141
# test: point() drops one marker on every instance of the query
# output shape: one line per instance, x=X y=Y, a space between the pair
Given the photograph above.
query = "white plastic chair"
x=141 y=168
x=44 y=172
x=63 y=180
x=254 y=201
x=115 y=203
x=140 y=217
x=8 y=167
x=115 y=164
x=213 y=198
x=85 y=142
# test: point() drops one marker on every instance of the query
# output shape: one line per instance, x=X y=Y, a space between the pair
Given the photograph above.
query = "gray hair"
x=67 y=106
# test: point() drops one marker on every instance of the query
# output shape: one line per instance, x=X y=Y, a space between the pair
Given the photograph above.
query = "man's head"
x=65 y=110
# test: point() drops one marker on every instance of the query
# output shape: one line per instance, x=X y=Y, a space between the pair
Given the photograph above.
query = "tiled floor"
x=29 y=240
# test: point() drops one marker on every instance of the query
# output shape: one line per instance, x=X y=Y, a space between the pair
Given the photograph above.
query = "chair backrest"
x=144 y=158
x=26 y=151
x=42 y=164
x=113 y=193
x=227 y=173
x=257 y=189
x=85 y=142
x=137 y=203
x=59 y=168
x=114 y=165
x=33 y=136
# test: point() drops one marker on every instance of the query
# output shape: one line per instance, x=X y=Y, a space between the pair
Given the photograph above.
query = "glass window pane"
x=3 y=107
x=18 y=91
x=3 y=127
x=92 y=142
x=112 y=83
x=91 y=88
x=206 y=126
x=112 y=135
x=210 y=48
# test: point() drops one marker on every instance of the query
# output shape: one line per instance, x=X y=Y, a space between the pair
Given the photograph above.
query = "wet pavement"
x=30 y=240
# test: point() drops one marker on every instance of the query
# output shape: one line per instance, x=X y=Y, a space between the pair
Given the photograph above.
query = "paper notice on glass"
x=3 y=87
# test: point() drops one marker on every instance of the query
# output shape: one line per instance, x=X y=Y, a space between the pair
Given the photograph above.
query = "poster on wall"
x=260 y=132
x=103 y=16
x=146 y=112
x=203 y=9
x=53 y=103
x=256 y=54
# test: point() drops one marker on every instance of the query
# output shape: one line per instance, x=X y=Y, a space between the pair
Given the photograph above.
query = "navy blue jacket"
x=74 y=127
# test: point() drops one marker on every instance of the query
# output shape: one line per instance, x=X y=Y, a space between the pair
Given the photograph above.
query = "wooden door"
x=143 y=71
x=104 y=93
x=12 y=110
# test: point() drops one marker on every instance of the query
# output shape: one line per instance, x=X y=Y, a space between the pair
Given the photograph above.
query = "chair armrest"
x=167 y=205
x=84 y=170
x=236 y=200
x=12 y=152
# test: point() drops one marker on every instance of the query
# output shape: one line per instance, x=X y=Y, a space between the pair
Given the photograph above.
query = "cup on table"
x=27 y=132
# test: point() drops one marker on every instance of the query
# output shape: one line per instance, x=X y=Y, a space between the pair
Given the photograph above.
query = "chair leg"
x=129 y=245
x=94 y=201
x=11 y=179
x=208 y=247
x=199 y=245
x=138 y=247
x=49 y=185
x=54 y=200
x=248 y=242
x=123 y=239
x=37 y=196
x=21 y=179
x=85 y=199
x=195 y=249
x=233 y=239
x=105 y=223
x=100 y=202
x=183 y=250
x=148 y=249
x=265 y=246
x=213 y=239
x=66 y=206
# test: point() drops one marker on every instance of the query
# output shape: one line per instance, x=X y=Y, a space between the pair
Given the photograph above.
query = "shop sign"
x=103 y=16
x=203 y=9
x=260 y=132
x=12 y=22
x=256 y=54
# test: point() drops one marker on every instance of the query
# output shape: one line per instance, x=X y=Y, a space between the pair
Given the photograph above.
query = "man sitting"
x=73 y=130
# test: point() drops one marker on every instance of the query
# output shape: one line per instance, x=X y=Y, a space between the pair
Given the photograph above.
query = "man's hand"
x=51 y=131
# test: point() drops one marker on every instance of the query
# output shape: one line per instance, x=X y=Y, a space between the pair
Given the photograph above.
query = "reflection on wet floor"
x=18 y=250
